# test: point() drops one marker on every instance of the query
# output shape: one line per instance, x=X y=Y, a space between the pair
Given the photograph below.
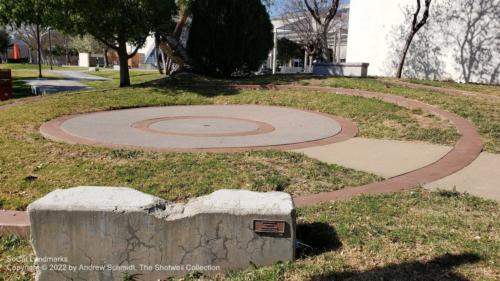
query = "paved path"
x=48 y=86
x=14 y=223
x=70 y=82
x=481 y=178
x=386 y=158
x=78 y=75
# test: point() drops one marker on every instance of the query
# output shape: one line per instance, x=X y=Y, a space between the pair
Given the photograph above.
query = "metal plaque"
x=269 y=227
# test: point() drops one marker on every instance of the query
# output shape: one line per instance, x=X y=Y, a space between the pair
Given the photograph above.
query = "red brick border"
x=466 y=150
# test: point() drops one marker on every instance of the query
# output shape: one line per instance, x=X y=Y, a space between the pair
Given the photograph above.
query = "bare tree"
x=299 y=21
x=416 y=25
x=305 y=28
x=28 y=34
x=323 y=12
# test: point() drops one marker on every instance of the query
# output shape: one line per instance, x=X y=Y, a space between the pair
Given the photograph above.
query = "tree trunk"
x=39 y=49
x=324 y=46
x=163 y=61
x=405 y=52
x=157 y=54
x=66 y=49
x=123 y=57
x=106 y=60
x=180 y=25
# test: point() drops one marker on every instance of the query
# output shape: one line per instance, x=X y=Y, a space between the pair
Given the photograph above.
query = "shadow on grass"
x=210 y=87
x=316 y=238
x=439 y=268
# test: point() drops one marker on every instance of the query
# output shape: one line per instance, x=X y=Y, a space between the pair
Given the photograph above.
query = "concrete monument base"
x=341 y=69
x=104 y=233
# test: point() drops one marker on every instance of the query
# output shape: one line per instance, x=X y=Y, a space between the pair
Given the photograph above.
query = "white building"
x=444 y=49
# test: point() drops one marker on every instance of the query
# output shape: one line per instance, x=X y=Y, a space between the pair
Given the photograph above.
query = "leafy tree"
x=229 y=36
x=4 y=41
x=27 y=12
x=115 y=23
x=173 y=54
x=288 y=49
x=86 y=44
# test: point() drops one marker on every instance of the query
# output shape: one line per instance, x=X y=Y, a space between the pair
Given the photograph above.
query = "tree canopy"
x=4 y=40
x=229 y=36
x=114 y=22
x=27 y=12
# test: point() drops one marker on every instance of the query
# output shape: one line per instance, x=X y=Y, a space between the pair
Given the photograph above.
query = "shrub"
x=228 y=37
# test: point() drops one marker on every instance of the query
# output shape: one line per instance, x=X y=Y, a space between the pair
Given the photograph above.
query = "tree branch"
x=313 y=12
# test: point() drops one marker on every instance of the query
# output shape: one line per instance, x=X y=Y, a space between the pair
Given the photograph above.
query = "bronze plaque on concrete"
x=269 y=227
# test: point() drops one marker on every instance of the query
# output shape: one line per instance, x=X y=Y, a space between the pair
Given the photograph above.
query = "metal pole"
x=274 y=49
x=50 y=49
x=305 y=60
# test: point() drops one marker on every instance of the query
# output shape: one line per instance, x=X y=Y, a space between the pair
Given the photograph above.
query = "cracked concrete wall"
x=101 y=233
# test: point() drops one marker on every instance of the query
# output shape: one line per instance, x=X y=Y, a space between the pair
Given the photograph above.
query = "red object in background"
x=16 y=52
x=5 y=84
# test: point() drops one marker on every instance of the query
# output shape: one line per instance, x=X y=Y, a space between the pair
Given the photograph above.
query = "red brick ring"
x=466 y=150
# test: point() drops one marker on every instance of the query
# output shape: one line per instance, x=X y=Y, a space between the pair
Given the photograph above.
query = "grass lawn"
x=32 y=166
x=431 y=235
x=136 y=77
x=479 y=88
x=482 y=111
x=21 y=72
x=413 y=235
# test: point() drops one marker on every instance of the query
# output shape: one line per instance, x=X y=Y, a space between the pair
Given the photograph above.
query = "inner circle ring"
x=145 y=125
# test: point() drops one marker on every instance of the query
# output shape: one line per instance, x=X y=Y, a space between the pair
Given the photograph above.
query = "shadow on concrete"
x=439 y=268
x=316 y=238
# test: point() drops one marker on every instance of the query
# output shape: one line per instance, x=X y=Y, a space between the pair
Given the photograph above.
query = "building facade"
x=461 y=40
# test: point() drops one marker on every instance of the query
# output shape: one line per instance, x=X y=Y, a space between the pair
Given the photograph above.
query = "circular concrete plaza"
x=223 y=128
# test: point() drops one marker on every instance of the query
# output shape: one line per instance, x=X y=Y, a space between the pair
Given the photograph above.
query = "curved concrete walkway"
x=78 y=75
x=481 y=178
x=386 y=158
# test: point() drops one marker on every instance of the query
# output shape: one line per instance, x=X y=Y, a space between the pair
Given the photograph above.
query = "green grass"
x=21 y=72
x=480 y=110
x=26 y=153
x=413 y=235
x=432 y=236
x=136 y=77
x=479 y=88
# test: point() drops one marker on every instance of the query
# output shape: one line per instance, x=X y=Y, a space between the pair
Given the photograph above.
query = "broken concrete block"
x=103 y=233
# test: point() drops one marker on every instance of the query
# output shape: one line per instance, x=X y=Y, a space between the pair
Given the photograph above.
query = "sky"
x=276 y=8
